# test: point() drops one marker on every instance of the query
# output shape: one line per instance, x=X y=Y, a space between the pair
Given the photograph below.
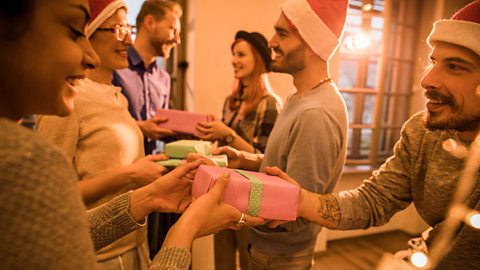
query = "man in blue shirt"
x=144 y=83
x=147 y=87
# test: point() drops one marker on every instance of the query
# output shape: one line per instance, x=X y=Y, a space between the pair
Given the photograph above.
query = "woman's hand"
x=172 y=192
x=169 y=193
x=146 y=170
x=213 y=131
x=206 y=215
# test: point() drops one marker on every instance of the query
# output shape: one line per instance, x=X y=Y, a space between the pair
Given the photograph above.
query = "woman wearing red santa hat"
x=101 y=138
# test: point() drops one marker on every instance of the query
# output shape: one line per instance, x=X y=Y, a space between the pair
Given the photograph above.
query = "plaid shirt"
x=255 y=126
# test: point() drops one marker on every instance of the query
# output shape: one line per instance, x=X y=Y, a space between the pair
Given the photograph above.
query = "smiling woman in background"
x=249 y=114
x=250 y=111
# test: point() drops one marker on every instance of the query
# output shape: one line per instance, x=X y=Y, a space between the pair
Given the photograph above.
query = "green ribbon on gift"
x=256 y=193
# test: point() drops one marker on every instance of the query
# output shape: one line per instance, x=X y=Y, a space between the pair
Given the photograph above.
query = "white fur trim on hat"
x=311 y=28
x=458 y=32
x=104 y=15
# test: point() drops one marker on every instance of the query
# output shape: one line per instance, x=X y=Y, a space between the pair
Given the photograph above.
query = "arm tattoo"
x=329 y=211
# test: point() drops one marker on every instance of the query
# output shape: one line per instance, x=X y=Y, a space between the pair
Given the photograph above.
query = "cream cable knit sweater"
x=98 y=136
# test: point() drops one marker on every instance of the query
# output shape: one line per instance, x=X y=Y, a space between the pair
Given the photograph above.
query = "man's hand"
x=146 y=170
x=151 y=130
x=322 y=209
x=235 y=157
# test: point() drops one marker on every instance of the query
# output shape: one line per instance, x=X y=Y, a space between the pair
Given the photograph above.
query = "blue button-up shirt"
x=147 y=89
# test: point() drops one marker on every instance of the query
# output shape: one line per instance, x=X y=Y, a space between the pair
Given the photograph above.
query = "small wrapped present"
x=180 y=149
x=256 y=194
x=173 y=162
x=219 y=160
x=182 y=121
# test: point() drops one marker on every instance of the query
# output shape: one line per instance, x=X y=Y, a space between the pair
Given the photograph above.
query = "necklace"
x=327 y=79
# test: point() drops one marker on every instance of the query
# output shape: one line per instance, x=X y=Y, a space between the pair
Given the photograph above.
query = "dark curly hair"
x=15 y=14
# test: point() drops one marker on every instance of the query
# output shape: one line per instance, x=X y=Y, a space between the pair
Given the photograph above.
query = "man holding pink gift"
x=309 y=139
x=429 y=162
x=145 y=84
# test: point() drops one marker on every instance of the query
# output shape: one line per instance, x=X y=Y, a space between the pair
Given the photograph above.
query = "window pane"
x=388 y=138
x=366 y=142
x=354 y=20
x=348 y=73
x=367 y=117
x=395 y=110
x=371 y=75
x=349 y=100
x=377 y=23
x=349 y=143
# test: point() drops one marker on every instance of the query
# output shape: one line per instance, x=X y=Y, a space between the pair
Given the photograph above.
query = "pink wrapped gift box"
x=182 y=121
x=279 y=199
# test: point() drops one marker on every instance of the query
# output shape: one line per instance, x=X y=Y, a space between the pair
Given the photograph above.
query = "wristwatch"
x=230 y=138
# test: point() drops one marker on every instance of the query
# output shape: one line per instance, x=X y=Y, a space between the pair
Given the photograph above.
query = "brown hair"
x=158 y=9
x=252 y=95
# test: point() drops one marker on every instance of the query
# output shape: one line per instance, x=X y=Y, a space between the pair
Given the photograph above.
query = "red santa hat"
x=100 y=11
x=319 y=22
x=462 y=29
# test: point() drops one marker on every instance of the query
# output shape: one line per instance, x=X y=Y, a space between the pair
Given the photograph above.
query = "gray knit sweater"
x=422 y=172
x=44 y=221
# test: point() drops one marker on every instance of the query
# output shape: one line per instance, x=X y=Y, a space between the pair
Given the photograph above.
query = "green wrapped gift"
x=220 y=160
x=180 y=149
x=171 y=162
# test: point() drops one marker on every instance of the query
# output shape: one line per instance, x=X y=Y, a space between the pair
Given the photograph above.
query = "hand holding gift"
x=191 y=150
x=208 y=214
x=253 y=193
x=182 y=121
x=213 y=130
x=151 y=128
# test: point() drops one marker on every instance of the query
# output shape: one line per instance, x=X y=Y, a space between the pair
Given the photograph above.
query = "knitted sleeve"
x=388 y=190
x=172 y=258
x=111 y=221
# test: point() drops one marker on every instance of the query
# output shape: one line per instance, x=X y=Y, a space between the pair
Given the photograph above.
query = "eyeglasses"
x=121 y=31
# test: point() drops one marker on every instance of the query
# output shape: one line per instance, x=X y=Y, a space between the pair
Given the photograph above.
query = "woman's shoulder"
x=270 y=102
x=23 y=149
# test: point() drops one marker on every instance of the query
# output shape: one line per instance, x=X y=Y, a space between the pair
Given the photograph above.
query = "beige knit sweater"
x=43 y=219
x=98 y=136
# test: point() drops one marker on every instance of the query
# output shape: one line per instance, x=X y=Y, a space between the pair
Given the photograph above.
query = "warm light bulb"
x=419 y=259
x=474 y=220
x=367 y=7
x=359 y=41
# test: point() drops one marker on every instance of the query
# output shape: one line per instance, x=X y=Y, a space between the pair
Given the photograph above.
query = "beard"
x=157 y=46
x=292 y=62
x=454 y=119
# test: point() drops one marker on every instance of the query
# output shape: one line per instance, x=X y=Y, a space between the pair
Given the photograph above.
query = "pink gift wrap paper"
x=279 y=200
x=182 y=121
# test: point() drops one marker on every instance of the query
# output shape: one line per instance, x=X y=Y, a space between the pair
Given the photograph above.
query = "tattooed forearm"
x=329 y=211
